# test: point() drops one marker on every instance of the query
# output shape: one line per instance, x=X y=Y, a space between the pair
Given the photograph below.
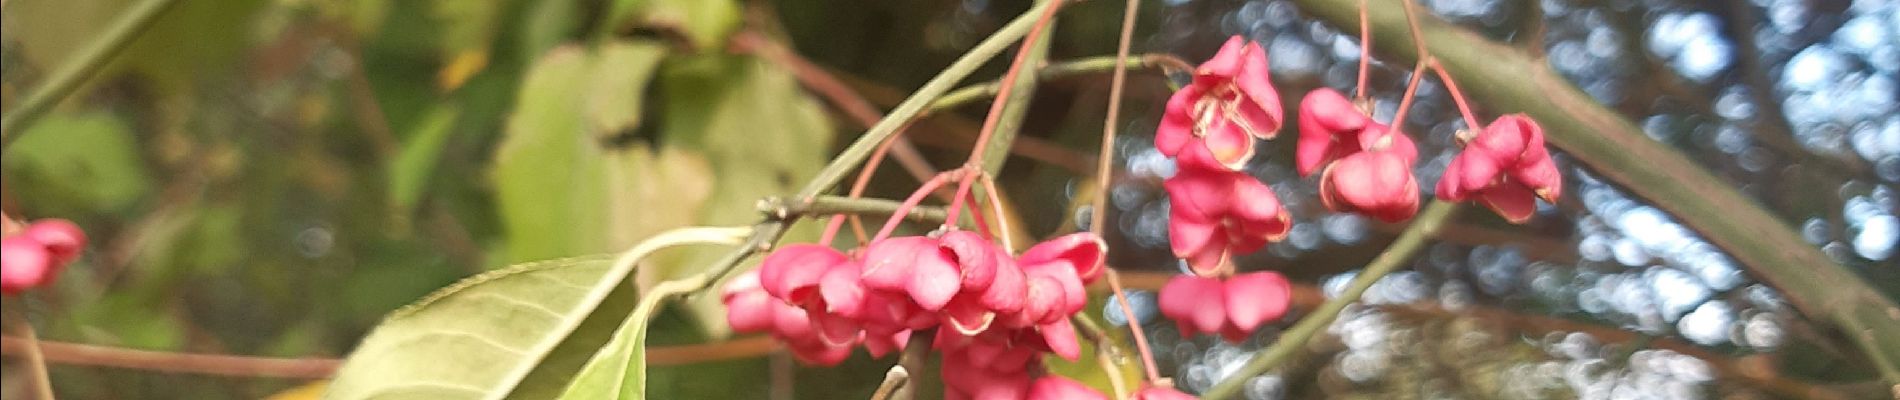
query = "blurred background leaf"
x=271 y=177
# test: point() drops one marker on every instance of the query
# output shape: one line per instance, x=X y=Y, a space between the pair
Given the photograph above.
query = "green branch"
x=1016 y=107
x=783 y=208
x=1056 y=70
x=767 y=233
x=1508 y=80
x=88 y=61
x=854 y=155
x=1295 y=338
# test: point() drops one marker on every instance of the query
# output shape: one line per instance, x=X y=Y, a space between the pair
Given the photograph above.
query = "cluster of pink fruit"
x=1365 y=167
x=993 y=314
x=32 y=256
x=1217 y=209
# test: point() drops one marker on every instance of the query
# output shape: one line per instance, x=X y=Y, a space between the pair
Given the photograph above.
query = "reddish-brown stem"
x=1411 y=88
x=1411 y=22
x=211 y=364
x=315 y=367
x=1105 y=162
x=995 y=115
x=831 y=229
x=857 y=189
x=1457 y=96
x=1098 y=213
x=35 y=360
x=982 y=222
x=1418 y=72
x=918 y=197
x=836 y=91
x=1134 y=325
x=1365 y=52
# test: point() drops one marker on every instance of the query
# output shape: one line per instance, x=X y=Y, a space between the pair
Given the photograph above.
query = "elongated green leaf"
x=619 y=370
x=410 y=173
x=486 y=336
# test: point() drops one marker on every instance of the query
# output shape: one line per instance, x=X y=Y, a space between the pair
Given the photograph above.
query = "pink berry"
x=1217 y=214
x=1505 y=167
x=61 y=237
x=1231 y=103
x=1233 y=307
x=24 y=264
x=1056 y=387
x=1161 y=393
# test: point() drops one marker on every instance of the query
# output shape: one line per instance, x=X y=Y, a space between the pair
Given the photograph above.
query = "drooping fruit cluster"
x=35 y=255
x=994 y=314
x=1218 y=211
x=1365 y=167
x=1503 y=167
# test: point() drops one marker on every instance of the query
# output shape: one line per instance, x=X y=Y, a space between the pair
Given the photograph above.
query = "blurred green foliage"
x=272 y=177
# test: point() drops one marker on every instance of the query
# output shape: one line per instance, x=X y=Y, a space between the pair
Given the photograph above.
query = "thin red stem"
x=1418 y=72
x=915 y=198
x=1411 y=88
x=1098 y=215
x=963 y=191
x=1411 y=22
x=1365 y=52
x=1105 y=161
x=1134 y=325
x=982 y=222
x=1457 y=96
x=35 y=361
x=871 y=163
x=995 y=116
x=831 y=230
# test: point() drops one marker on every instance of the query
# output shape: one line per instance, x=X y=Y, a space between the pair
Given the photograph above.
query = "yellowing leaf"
x=465 y=64
x=468 y=31
x=308 y=391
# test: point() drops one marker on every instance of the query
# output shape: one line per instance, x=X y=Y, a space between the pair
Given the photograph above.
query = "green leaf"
x=763 y=136
x=546 y=24
x=556 y=177
x=57 y=30
x=1089 y=369
x=619 y=370
x=413 y=167
x=78 y=163
x=489 y=336
x=734 y=130
x=704 y=23
x=620 y=76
